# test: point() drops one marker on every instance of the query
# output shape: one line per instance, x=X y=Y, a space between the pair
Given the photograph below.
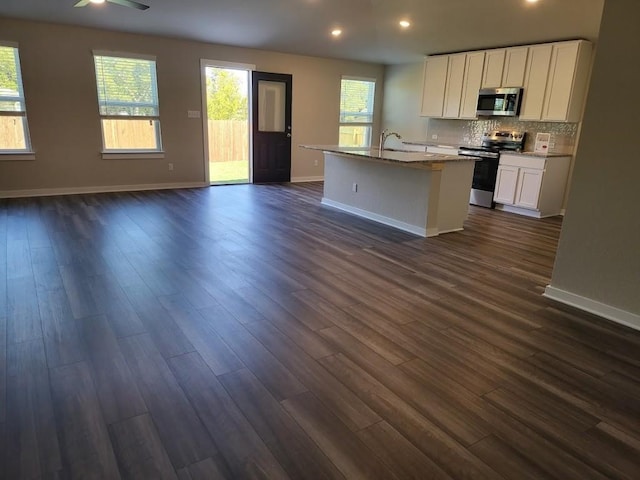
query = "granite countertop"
x=391 y=155
x=506 y=152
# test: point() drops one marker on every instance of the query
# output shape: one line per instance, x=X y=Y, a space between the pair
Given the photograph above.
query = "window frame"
x=124 y=153
x=370 y=124
x=27 y=152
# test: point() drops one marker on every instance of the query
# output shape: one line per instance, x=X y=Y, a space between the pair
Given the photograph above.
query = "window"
x=128 y=101
x=14 y=131
x=356 y=111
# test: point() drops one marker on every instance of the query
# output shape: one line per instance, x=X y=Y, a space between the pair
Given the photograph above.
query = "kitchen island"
x=422 y=193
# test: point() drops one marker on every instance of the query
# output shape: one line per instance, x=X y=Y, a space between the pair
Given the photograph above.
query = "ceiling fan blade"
x=82 y=3
x=129 y=3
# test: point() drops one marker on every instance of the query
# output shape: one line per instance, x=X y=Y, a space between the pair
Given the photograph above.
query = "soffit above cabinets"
x=370 y=28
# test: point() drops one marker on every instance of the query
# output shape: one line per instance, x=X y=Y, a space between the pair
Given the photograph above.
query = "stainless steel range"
x=486 y=170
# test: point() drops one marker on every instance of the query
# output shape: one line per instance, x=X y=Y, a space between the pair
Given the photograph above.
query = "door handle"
x=288 y=135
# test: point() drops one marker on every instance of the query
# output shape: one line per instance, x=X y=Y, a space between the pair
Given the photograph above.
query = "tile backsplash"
x=469 y=132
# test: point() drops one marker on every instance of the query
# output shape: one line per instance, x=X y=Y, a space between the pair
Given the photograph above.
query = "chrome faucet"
x=383 y=138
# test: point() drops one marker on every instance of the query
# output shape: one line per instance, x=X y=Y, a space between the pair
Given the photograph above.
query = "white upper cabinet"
x=556 y=81
x=451 y=84
x=453 y=91
x=535 y=82
x=505 y=67
x=554 y=77
x=493 y=68
x=515 y=63
x=567 y=82
x=471 y=84
x=434 y=85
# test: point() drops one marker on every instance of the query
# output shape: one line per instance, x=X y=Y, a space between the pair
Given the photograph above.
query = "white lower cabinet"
x=506 y=184
x=531 y=185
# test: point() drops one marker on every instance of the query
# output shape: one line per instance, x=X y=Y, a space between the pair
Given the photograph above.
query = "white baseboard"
x=48 y=192
x=423 y=232
x=518 y=210
x=439 y=232
x=307 y=179
x=614 y=314
x=526 y=212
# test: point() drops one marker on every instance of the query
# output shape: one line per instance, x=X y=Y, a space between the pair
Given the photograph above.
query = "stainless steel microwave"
x=500 y=102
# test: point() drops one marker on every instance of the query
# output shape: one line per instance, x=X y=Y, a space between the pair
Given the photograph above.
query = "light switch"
x=193 y=113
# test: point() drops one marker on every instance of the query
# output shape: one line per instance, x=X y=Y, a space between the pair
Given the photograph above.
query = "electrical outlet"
x=315 y=162
x=170 y=167
x=434 y=136
x=354 y=187
x=552 y=144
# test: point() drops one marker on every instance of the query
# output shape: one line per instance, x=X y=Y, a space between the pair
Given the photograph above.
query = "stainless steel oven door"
x=485 y=173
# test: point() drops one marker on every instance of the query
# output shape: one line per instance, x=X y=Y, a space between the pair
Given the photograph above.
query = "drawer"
x=442 y=150
x=523 y=161
x=414 y=148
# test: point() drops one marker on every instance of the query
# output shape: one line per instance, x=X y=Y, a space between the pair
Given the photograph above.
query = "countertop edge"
x=392 y=156
x=524 y=154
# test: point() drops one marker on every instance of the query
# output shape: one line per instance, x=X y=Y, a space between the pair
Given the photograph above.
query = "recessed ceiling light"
x=336 y=32
x=96 y=1
x=532 y=1
x=405 y=23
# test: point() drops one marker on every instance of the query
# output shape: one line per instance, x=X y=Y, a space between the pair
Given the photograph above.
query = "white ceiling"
x=371 y=31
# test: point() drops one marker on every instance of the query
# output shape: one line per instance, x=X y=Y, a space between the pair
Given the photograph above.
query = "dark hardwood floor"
x=247 y=332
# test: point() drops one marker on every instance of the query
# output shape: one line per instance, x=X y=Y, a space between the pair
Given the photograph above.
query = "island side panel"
x=453 y=198
x=391 y=194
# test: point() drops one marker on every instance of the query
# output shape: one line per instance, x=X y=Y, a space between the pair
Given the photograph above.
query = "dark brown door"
x=271 y=127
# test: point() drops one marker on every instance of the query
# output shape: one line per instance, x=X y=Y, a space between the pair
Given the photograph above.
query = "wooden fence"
x=129 y=134
x=228 y=139
x=11 y=133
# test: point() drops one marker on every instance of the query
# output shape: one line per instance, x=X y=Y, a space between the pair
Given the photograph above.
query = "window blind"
x=11 y=91
x=356 y=101
x=126 y=86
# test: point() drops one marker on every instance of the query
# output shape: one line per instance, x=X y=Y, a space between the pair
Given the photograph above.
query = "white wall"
x=59 y=81
x=401 y=103
x=598 y=260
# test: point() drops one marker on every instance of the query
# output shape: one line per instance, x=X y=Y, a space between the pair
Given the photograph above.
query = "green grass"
x=233 y=172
